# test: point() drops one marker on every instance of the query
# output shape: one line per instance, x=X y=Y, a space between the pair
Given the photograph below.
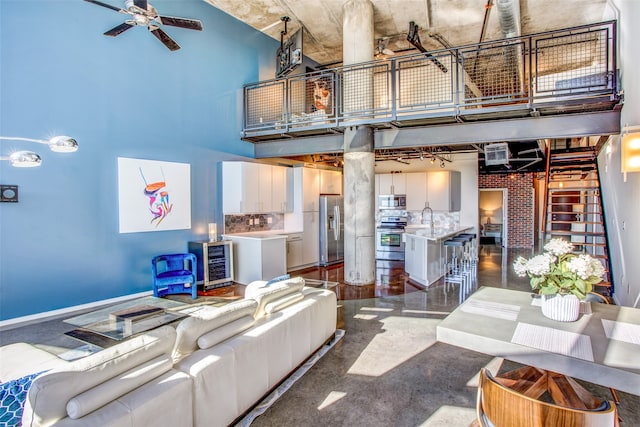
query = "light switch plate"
x=9 y=193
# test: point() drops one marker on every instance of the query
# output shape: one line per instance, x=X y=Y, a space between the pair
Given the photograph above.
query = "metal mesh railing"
x=426 y=82
x=366 y=91
x=574 y=62
x=264 y=105
x=521 y=72
x=495 y=73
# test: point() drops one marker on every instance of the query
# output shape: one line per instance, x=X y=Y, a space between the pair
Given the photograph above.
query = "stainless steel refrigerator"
x=331 y=230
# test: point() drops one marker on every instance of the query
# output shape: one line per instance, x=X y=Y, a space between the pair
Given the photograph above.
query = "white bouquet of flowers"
x=560 y=271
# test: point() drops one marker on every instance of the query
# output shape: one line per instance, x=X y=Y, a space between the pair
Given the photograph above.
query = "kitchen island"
x=258 y=255
x=424 y=252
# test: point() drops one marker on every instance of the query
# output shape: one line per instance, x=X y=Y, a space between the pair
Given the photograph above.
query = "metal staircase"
x=574 y=209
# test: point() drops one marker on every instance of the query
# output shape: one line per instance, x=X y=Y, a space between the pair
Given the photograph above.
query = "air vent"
x=496 y=154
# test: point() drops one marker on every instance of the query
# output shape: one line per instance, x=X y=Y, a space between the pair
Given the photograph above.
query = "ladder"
x=574 y=209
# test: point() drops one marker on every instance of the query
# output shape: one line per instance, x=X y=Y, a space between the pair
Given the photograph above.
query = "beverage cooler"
x=215 y=263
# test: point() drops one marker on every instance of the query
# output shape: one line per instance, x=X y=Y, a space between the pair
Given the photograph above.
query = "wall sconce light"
x=630 y=151
x=27 y=159
x=23 y=159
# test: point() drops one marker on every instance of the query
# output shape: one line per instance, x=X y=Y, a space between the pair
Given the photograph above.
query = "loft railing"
x=553 y=72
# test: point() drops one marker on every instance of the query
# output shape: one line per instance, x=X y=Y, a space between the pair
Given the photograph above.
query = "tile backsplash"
x=253 y=222
x=440 y=219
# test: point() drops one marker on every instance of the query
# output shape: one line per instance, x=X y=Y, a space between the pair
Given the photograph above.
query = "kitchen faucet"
x=430 y=215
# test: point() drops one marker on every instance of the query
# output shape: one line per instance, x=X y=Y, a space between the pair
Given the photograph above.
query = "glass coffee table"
x=129 y=318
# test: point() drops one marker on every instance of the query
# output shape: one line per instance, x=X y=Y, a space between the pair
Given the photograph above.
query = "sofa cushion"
x=281 y=303
x=20 y=359
x=102 y=394
x=50 y=392
x=224 y=332
x=206 y=320
x=264 y=294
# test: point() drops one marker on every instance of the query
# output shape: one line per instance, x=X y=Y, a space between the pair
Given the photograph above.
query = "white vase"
x=563 y=308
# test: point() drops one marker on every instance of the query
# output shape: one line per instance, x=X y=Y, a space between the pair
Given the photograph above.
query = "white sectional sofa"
x=291 y=323
x=207 y=371
x=124 y=385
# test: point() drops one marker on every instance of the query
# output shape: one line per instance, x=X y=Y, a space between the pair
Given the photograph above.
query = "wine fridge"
x=215 y=263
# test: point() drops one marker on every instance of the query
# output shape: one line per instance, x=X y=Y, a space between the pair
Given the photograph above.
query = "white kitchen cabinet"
x=294 y=251
x=330 y=182
x=280 y=185
x=311 y=238
x=258 y=257
x=391 y=183
x=434 y=261
x=422 y=259
x=306 y=189
x=444 y=190
x=261 y=179
x=236 y=187
x=415 y=259
x=253 y=188
x=416 y=190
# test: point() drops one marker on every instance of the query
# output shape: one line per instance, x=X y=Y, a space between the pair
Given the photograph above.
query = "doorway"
x=492 y=211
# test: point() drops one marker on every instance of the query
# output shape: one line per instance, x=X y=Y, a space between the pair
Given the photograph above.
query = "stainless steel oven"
x=389 y=244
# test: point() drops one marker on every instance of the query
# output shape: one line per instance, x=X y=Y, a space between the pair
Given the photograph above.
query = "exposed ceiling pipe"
x=509 y=17
x=429 y=15
x=413 y=37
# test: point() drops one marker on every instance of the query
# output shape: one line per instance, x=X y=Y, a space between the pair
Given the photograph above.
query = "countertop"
x=438 y=233
x=262 y=235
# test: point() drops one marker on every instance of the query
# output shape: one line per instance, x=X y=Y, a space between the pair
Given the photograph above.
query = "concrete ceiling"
x=458 y=22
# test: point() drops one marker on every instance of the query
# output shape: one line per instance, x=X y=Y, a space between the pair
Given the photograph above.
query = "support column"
x=359 y=157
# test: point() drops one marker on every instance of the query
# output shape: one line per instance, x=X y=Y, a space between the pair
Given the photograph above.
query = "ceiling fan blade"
x=164 y=37
x=191 y=24
x=108 y=6
x=118 y=30
x=142 y=4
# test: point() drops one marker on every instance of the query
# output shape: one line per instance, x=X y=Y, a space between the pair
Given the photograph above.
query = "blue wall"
x=126 y=96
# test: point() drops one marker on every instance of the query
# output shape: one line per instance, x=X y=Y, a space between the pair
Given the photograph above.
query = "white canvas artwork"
x=153 y=195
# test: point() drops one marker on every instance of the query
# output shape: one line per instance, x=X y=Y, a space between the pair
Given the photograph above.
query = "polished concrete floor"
x=388 y=370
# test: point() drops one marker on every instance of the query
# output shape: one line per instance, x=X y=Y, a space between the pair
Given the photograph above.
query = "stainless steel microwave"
x=392 y=201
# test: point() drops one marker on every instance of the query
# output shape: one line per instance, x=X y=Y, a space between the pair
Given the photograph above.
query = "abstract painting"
x=153 y=195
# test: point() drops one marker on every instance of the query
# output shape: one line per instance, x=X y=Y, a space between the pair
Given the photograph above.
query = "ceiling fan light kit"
x=143 y=14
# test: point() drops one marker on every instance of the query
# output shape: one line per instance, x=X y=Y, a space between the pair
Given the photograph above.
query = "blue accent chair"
x=174 y=274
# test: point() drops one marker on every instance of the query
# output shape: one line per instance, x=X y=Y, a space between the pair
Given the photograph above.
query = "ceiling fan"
x=145 y=15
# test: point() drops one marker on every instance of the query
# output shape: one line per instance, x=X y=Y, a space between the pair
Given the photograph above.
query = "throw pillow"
x=268 y=294
x=206 y=320
x=13 y=395
x=278 y=279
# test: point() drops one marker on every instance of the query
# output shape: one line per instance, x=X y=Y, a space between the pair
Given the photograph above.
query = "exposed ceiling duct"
x=509 y=17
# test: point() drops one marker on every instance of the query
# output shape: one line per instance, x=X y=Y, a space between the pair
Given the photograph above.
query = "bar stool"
x=452 y=273
x=464 y=266
x=470 y=257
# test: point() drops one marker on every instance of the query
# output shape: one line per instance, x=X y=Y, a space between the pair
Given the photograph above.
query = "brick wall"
x=520 y=205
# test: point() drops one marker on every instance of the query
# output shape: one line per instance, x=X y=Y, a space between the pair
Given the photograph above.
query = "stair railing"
x=545 y=200
x=603 y=218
